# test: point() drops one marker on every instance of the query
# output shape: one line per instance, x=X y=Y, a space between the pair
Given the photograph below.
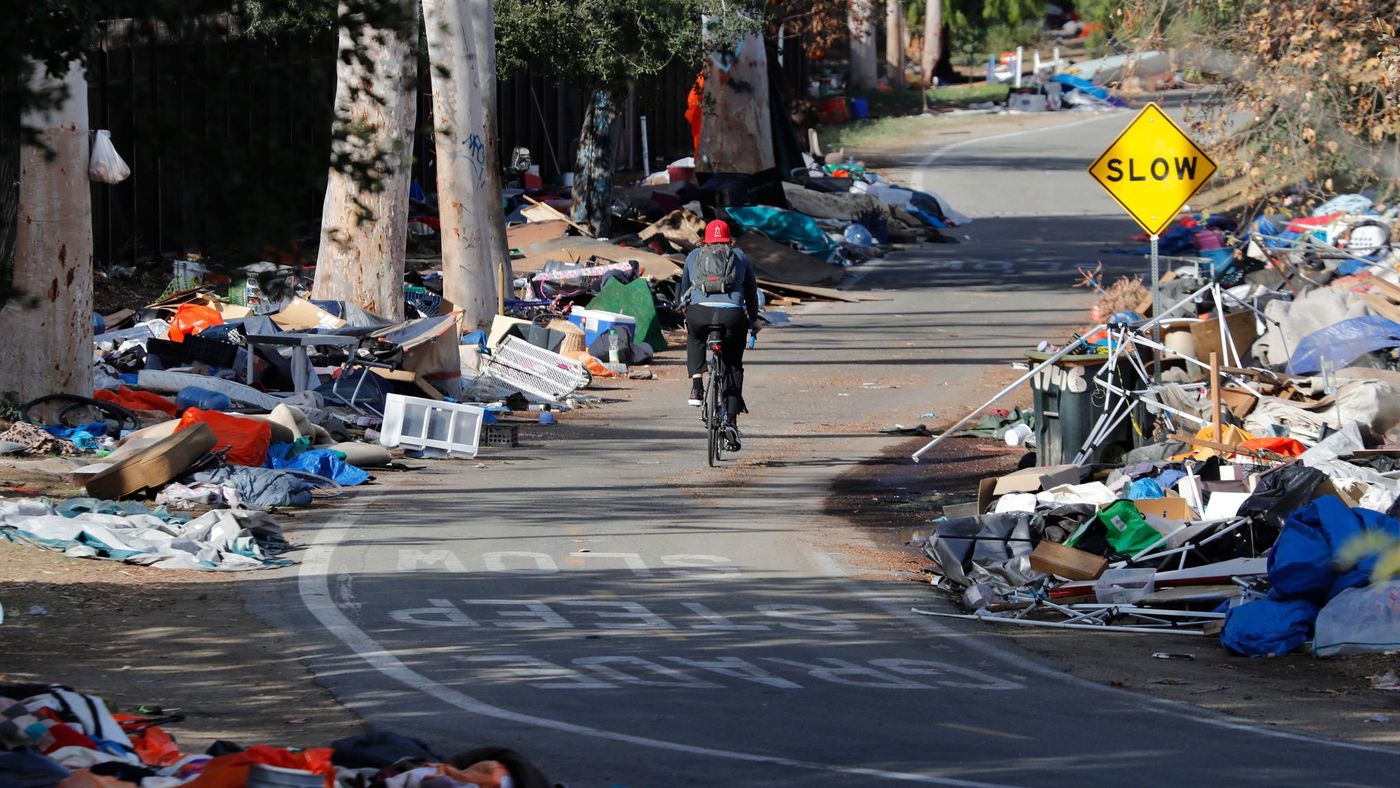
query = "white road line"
x=922 y=177
x=313 y=585
x=981 y=642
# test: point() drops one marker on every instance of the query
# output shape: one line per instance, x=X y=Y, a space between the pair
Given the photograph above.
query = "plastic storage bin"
x=1124 y=586
x=595 y=322
x=444 y=428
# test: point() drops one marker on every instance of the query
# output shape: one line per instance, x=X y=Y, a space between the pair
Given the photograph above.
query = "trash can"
x=1068 y=405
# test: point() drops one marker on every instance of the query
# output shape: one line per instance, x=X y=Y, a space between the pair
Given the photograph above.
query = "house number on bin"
x=1069 y=379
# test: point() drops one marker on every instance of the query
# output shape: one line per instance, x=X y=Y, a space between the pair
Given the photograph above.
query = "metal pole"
x=1017 y=75
x=1065 y=351
x=646 y=152
x=1156 y=311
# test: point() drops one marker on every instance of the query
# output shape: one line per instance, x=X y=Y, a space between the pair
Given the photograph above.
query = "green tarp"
x=634 y=300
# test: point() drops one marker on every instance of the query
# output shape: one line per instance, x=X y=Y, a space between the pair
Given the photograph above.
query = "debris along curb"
x=1250 y=495
x=225 y=401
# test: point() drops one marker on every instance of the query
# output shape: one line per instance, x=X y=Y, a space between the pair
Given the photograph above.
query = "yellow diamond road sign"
x=1152 y=169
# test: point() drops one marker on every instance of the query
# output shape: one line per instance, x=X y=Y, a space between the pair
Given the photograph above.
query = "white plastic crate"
x=441 y=427
x=561 y=371
x=535 y=388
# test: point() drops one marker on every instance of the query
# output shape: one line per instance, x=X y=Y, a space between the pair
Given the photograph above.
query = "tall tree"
x=860 y=22
x=469 y=263
x=736 y=134
x=933 y=44
x=597 y=46
x=894 y=42
x=50 y=320
x=364 y=224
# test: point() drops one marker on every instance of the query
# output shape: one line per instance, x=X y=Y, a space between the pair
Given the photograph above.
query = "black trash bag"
x=1280 y=493
x=1060 y=523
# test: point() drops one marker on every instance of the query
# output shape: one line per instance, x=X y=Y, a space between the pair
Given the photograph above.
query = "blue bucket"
x=860 y=108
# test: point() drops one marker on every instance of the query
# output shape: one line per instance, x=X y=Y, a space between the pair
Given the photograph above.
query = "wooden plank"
x=1258 y=454
x=815 y=292
x=403 y=376
x=522 y=235
x=1389 y=290
x=550 y=209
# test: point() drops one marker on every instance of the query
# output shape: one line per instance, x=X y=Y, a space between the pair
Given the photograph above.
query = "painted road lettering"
x=522 y=562
x=716 y=672
x=616 y=615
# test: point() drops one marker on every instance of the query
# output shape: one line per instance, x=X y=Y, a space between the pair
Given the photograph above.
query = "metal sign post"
x=1156 y=311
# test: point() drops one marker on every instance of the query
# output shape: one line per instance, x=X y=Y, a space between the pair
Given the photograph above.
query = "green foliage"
x=597 y=43
x=976 y=27
x=968 y=94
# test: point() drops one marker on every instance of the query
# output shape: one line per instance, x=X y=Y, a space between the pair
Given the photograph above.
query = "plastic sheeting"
x=1360 y=621
x=992 y=548
x=1343 y=343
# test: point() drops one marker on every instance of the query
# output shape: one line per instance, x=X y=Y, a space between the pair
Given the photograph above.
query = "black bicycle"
x=715 y=409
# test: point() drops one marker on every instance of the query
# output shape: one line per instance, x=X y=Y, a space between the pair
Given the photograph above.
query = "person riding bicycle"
x=718 y=289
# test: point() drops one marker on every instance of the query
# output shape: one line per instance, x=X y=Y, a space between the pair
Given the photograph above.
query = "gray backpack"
x=716 y=270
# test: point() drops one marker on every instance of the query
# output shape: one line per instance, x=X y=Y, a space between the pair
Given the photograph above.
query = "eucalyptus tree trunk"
x=493 y=215
x=364 y=223
x=860 y=22
x=736 y=132
x=894 y=42
x=593 y=165
x=933 y=44
x=48 y=315
x=464 y=180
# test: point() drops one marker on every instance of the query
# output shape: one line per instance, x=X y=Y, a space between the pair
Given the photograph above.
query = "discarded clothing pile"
x=56 y=736
x=225 y=539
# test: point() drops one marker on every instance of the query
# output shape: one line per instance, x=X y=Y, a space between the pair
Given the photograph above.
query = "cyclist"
x=718 y=289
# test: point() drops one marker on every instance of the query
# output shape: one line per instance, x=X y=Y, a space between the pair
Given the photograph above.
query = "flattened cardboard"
x=1053 y=558
x=1037 y=479
x=153 y=466
x=302 y=315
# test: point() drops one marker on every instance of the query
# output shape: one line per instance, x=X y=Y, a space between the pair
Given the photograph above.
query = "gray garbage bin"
x=1068 y=405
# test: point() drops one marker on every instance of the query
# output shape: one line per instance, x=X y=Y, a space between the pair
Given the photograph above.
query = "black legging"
x=699 y=319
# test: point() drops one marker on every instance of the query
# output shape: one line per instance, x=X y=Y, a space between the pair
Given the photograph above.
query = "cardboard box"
x=153 y=466
x=1165 y=508
x=1243 y=330
x=1053 y=558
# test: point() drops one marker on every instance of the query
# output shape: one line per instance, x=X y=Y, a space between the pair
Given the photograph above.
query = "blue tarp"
x=787 y=227
x=1300 y=563
x=321 y=462
x=1304 y=577
x=1082 y=85
x=1343 y=343
x=1268 y=627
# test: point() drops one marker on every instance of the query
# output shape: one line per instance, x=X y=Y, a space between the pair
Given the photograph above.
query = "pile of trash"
x=235 y=394
x=53 y=735
x=1230 y=466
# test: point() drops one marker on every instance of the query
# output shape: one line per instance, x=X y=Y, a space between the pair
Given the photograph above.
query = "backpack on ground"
x=716 y=270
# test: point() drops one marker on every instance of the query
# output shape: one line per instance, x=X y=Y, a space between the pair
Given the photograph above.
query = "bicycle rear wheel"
x=714 y=420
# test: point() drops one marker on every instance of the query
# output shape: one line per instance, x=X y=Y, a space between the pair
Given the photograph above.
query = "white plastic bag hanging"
x=106 y=165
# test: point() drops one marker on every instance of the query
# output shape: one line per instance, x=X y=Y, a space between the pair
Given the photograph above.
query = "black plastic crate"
x=500 y=435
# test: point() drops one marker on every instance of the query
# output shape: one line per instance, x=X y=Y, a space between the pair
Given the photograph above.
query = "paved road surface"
x=625 y=616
